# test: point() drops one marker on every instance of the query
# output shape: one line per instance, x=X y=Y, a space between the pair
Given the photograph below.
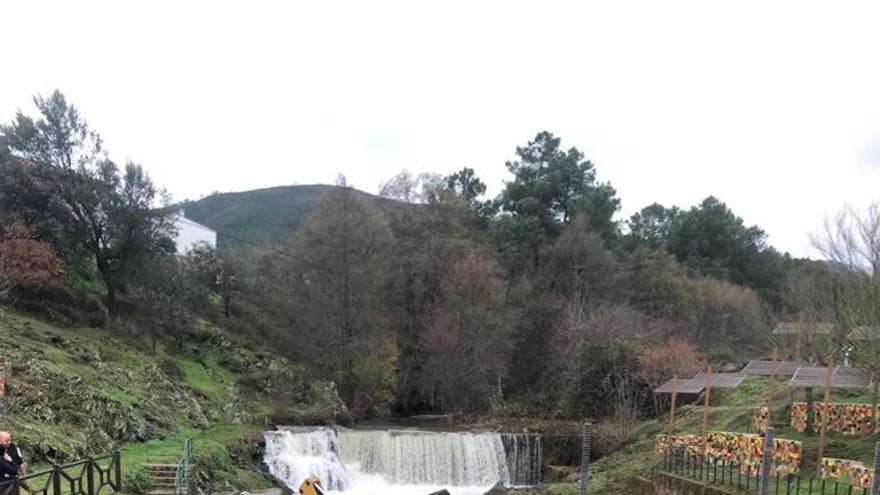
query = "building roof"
x=846 y=378
x=864 y=333
x=684 y=386
x=794 y=328
x=721 y=380
x=765 y=368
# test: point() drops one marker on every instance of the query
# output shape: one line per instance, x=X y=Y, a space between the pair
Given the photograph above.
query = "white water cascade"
x=368 y=462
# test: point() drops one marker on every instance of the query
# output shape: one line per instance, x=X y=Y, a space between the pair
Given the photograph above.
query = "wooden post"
x=829 y=376
x=90 y=476
x=800 y=330
x=875 y=483
x=56 y=479
x=706 y=406
x=874 y=406
x=771 y=387
x=672 y=410
x=117 y=457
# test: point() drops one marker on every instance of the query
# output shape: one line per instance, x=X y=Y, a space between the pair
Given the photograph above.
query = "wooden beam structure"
x=672 y=409
x=829 y=377
x=703 y=436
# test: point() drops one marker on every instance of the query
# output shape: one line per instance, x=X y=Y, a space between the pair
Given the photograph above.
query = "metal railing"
x=90 y=476
x=727 y=473
x=181 y=477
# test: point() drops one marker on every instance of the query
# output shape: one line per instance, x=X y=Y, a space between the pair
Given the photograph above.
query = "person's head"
x=5 y=439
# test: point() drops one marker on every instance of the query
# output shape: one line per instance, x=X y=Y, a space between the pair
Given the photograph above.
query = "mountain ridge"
x=265 y=217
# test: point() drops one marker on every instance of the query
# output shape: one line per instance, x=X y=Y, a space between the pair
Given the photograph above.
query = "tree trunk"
x=111 y=297
x=227 y=303
x=811 y=413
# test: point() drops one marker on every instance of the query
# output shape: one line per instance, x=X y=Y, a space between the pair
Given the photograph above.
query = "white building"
x=189 y=233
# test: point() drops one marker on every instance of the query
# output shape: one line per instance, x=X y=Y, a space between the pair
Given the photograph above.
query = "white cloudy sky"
x=773 y=106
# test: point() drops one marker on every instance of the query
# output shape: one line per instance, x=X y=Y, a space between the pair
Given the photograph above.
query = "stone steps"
x=162 y=478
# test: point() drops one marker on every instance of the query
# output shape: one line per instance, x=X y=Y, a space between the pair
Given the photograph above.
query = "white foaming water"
x=293 y=456
x=374 y=462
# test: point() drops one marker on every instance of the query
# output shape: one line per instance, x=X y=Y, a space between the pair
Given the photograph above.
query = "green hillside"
x=76 y=391
x=266 y=217
x=731 y=410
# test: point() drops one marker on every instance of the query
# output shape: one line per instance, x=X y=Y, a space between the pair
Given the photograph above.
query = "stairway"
x=162 y=478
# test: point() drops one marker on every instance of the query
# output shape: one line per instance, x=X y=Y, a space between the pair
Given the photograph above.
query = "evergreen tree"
x=59 y=176
x=550 y=187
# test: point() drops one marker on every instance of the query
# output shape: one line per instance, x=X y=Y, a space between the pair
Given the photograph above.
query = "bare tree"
x=850 y=239
x=470 y=334
x=403 y=187
x=407 y=188
x=595 y=360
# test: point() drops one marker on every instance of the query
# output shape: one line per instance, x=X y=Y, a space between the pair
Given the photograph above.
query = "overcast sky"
x=772 y=106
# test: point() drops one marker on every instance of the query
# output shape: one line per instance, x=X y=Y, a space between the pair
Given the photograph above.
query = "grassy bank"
x=731 y=410
x=73 y=392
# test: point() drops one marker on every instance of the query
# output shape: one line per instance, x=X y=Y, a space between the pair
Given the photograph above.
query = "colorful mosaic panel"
x=849 y=419
x=746 y=449
x=759 y=420
x=859 y=475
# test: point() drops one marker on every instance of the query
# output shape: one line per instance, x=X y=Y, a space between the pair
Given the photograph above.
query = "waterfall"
x=524 y=458
x=294 y=455
x=350 y=460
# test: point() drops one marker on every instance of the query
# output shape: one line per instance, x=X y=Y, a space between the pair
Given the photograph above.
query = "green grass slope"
x=731 y=410
x=73 y=392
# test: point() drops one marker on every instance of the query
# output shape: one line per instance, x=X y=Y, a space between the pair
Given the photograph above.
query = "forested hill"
x=267 y=217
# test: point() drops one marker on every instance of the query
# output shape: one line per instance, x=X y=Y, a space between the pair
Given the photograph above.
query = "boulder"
x=498 y=489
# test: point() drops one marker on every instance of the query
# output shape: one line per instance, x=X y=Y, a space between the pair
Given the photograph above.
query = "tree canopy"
x=58 y=178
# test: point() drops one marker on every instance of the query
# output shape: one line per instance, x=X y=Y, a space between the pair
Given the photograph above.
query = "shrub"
x=28 y=262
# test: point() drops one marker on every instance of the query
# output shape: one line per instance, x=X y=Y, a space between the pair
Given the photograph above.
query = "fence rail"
x=91 y=476
x=732 y=474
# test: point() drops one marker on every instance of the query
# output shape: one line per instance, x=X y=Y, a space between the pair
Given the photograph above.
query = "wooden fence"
x=91 y=476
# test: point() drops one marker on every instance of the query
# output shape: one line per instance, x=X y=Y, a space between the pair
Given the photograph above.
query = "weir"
x=350 y=460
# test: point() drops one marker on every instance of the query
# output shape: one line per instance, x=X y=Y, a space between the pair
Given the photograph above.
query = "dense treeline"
x=434 y=299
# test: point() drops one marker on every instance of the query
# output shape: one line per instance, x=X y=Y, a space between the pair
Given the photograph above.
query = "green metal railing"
x=181 y=477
